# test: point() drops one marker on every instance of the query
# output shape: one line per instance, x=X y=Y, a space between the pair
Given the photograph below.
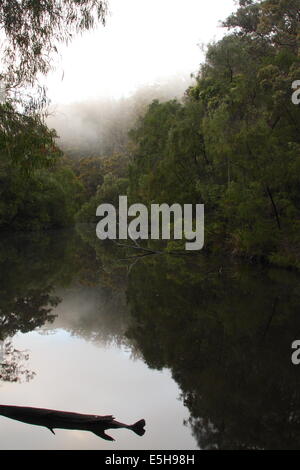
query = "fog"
x=143 y=42
x=100 y=127
x=104 y=78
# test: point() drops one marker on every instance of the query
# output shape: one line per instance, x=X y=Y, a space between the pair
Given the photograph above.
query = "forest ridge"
x=232 y=143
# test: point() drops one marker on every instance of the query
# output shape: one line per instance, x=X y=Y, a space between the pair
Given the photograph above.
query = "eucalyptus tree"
x=31 y=32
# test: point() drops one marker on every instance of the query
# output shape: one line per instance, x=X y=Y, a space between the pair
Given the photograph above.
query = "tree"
x=36 y=192
x=274 y=21
x=233 y=143
x=33 y=30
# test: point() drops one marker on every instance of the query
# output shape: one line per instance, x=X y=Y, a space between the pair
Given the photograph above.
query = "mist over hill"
x=100 y=127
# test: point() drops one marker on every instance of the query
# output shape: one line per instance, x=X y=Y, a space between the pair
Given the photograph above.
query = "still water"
x=198 y=347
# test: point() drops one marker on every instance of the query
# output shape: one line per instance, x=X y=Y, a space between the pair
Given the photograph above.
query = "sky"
x=143 y=42
x=77 y=368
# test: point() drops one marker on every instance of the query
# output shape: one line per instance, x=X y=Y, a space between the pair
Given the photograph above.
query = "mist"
x=99 y=127
x=105 y=78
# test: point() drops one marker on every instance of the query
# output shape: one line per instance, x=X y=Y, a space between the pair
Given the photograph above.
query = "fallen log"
x=53 y=419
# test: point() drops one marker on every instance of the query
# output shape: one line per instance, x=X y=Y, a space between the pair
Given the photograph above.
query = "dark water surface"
x=198 y=347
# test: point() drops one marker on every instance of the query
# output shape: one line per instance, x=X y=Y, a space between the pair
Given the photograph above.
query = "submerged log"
x=53 y=419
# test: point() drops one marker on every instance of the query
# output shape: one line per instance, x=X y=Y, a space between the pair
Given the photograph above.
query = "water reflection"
x=12 y=363
x=227 y=339
x=224 y=332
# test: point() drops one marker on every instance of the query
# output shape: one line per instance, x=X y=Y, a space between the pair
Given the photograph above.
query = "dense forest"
x=231 y=142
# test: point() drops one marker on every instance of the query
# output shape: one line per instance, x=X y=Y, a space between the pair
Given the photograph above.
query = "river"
x=198 y=346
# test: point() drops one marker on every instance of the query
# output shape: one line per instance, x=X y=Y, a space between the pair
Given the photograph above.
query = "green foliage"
x=111 y=176
x=47 y=199
x=33 y=30
x=89 y=171
x=234 y=142
x=36 y=191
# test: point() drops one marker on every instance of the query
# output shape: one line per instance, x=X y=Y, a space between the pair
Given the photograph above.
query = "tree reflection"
x=12 y=364
x=34 y=267
x=31 y=268
x=27 y=312
x=224 y=331
x=226 y=336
